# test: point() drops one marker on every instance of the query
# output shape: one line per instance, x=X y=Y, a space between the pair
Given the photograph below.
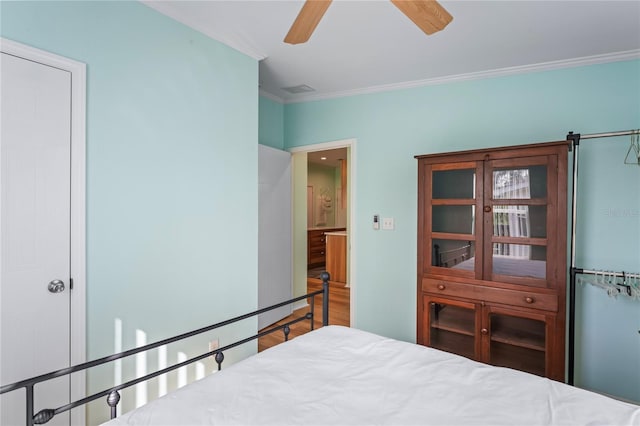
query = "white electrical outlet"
x=213 y=345
x=387 y=223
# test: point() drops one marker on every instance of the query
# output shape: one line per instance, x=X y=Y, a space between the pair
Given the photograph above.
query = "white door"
x=274 y=233
x=35 y=232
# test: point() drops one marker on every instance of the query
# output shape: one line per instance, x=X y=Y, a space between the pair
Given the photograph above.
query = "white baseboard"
x=300 y=304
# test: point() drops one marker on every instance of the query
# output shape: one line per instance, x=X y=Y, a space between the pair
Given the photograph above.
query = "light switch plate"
x=387 y=223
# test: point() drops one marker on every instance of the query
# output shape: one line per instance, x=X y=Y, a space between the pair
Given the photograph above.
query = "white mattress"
x=342 y=376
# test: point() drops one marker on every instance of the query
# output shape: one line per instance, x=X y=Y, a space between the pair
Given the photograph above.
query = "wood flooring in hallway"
x=339 y=313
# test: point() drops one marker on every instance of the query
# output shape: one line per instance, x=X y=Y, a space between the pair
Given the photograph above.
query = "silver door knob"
x=56 y=286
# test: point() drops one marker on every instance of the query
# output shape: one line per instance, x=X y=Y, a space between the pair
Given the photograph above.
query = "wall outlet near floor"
x=387 y=223
x=213 y=345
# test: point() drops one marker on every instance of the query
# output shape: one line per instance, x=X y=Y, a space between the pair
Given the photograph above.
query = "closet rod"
x=607 y=273
x=609 y=134
x=575 y=142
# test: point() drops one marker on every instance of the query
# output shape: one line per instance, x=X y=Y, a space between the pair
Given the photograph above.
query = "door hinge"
x=70 y=283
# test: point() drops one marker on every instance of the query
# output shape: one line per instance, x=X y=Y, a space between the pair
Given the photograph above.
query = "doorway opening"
x=325 y=220
x=312 y=208
x=327 y=213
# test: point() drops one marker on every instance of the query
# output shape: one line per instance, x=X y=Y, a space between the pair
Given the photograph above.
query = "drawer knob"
x=529 y=299
x=441 y=287
x=484 y=331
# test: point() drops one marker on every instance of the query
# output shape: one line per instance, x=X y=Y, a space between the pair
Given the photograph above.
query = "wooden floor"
x=339 y=302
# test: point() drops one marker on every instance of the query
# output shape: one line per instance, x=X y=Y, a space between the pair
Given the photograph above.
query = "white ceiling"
x=365 y=46
x=330 y=157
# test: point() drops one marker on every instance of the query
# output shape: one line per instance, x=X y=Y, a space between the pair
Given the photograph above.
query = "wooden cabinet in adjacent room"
x=337 y=256
x=492 y=231
x=317 y=246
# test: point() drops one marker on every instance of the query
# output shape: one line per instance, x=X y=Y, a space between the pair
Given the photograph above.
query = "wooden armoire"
x=492 y=242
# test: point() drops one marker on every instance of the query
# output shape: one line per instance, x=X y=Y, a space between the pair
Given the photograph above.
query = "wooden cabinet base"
x=337 y=257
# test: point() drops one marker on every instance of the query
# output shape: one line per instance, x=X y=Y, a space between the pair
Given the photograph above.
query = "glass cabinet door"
x=451 y=326
x=452 y=218
x=458 y=183
x=518 y=208
x=516 y=341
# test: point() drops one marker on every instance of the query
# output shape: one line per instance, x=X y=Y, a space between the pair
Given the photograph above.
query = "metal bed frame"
x=113 y=394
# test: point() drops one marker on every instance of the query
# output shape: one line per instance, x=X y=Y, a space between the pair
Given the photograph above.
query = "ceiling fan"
x=428 y=15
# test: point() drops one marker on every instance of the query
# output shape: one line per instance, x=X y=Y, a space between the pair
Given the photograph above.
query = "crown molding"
x=500 y=72
x=165 y=8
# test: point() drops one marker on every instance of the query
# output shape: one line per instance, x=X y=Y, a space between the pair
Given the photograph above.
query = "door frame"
x=78 y=205
x=351 y=231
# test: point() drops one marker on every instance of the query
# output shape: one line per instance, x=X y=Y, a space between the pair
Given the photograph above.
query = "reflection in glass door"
x=453 y=220
x=518 y=203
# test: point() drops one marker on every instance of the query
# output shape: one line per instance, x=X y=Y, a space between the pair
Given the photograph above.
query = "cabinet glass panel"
x=520 y=183
x=452 y=184
x=518 y=343
x=452 y=329
x=454 y=254
x=453 y=219
x=520 y=260
x=520 y=221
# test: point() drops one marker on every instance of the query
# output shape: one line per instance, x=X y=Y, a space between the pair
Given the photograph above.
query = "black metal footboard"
x=113 y=394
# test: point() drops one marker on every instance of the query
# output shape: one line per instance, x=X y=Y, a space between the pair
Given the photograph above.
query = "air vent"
x=302 y=88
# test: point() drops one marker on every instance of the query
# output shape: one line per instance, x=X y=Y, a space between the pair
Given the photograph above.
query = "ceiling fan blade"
x=428 y=15
x=307 y=21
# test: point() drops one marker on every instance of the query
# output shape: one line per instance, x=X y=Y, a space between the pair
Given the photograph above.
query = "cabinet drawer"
x=316 y=251
x=524 y=298
x=317 y=240
x=316 y=255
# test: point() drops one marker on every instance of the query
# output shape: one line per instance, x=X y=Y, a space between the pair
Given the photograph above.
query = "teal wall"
x=172 y=155
x=392 y=127
x=608 y=238
x=271 y=123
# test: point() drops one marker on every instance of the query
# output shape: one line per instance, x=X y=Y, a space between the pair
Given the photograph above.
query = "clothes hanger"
x=635 y=147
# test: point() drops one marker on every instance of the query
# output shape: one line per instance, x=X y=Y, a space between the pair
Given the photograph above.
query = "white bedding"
x=341 y=376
